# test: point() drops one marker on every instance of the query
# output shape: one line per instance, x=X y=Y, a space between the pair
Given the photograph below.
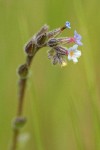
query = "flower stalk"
x=56 y=53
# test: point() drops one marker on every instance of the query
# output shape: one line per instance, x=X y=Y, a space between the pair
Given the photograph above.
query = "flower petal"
x=69 y=57
x=75 y=60
x=75 y=47
x=77 y=53
x=68 y=24
x=73 y=53
x=77 y=36
x=79 y=42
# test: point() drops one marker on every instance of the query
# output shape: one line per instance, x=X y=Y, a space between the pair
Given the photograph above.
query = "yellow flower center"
x=71 y=53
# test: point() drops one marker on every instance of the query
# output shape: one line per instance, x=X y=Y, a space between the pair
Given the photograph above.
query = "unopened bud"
x=30 y=48
x=23 y=71
x=52 y=42
x=54 y=60
x=60 y=50
x=40 y=41
x=43 y=30
x=19 y=122
x=54 y=33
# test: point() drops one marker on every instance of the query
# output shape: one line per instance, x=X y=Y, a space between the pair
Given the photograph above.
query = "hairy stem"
x=22 y=86
x=37 y=42
x=21 y=94
x=33 y=45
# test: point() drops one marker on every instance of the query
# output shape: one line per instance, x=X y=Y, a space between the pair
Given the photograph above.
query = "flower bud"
x=43 y=30
x=19 y=122
x=30 y=48
x=54 y=33
x=60 y=50
x=40 y=41
x=23 y=71
x=55 y=60
x=52 y=42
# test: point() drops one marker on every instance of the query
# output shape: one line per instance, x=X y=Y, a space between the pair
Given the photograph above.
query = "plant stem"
x=14 y=139
x=22 y=86
x=31 y=48
x=37 y=42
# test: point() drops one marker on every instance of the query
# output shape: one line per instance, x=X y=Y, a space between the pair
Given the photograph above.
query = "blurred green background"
x=62 y=105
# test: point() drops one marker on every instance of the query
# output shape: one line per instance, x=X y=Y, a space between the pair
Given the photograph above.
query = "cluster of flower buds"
x=57 y=52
